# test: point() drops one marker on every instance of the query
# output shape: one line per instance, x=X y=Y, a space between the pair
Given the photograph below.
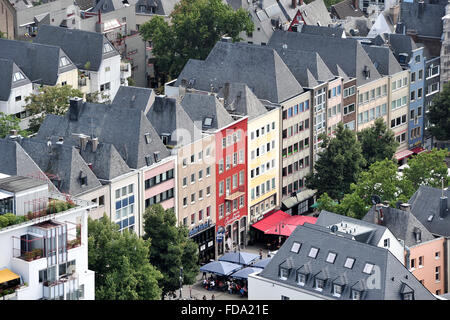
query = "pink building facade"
x=159 y=184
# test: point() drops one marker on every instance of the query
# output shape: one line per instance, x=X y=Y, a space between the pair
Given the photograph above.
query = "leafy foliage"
x=377 y=142
x=121 y=263
x=171 y=248
x=339 y=164
x=195 y=27
x=439 y=114
x=10 y=122
x=49 y=100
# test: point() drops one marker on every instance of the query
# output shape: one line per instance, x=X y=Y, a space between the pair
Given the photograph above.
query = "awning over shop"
x=281 y=223
x=239 y=257
x=418 y=150
x=300 y=197
x=403 y=154
x=7 y=275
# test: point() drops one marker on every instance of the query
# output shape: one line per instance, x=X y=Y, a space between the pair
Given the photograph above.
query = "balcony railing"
x=82 y=82
x=125 y=67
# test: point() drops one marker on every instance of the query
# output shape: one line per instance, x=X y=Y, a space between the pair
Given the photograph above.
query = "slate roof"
x=428 y=23
x=372 y=236
x=316 y=11
x=65 y=162
x=85 y=4
x=424 y=203
x=7 y=70
x=40 y=63
x=394 y=276
x=307 y=66
x=123 y=126
x=168 y=116
x=260 y=67
x=240 y=100
x=383 y=59
x=199 y=106
x=345 y=53
x=16 y=184
x=81 y=46
x=163 y=7
x=402 y=224
x=139 y=98
x=321 y=30
x=345 y=9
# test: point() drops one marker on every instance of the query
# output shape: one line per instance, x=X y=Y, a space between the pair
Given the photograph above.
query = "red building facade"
x=231 y=185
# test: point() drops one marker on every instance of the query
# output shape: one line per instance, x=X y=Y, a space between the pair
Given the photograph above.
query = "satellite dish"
x=334 y=228
x=375 y=199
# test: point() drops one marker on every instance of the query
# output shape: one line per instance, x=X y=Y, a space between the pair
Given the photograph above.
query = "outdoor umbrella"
x=221 y=268
x=243 y=273
x=239 y=257
x=262 y=263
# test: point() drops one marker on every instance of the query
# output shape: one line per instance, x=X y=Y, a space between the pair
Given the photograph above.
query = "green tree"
x=439 y=114
x=428 y=168
x=10 y=122
x=326 y=203
x=49 y=100
x=353 y=205
x=2 y=35
x=339 y=164
x=195 y=27
x=377 y=142
x=121 y=263
x=171 y=248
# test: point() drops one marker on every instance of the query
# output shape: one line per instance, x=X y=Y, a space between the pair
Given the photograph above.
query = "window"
x=421 y=262
x=301 y=279
x=437 y=274
x=313 y=252
x=386 y=243
x=18 y=76
x=349 y=109
x=193 y=198
x=200 y=195
x=349 y=263
x=356 y=295
x=184 y=181
x=208 y=191
x=295 y=247
x=319 y=284
x=413 y=263
x=331 y=257
x=200 y=175
x=184 y=201
x=107 y=48
x=368 y=268
x=285 y=298
x=193 y=178
x=284 y=273
x=220 y=165
x=437 y=255
x=208 y=171
x=337 y=290
x=432 y=71
x=184 y=162
x=63 y=61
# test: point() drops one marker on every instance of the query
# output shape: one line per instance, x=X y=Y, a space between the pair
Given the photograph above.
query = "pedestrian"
x=212 y=284
x=204 y=297
x=230 y=288
x=204 y=275
x=213 y=297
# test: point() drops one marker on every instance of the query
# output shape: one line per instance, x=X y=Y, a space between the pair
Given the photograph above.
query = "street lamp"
x=181 y=283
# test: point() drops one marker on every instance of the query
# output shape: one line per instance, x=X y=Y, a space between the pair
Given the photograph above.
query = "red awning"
x=281 y=223
x=403 y=154
x=418 y=150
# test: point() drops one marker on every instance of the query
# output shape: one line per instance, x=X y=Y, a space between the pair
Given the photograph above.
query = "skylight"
x=313 y=252
x=331 y=257
x=207 y=122
x=107 y=48
x=295 y=247
x=18 y=76
x=349 y=263
x=368 y=268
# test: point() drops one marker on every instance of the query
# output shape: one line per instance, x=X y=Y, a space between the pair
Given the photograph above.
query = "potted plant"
x=29 y=255
x=37 y=253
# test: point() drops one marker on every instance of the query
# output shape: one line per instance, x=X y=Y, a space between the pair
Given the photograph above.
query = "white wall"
x=112 y=76
x=13 y=107
x=395 y=247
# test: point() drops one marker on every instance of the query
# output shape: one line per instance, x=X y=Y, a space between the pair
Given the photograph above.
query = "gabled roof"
x=426 y=22
x=307 y=66
x=15 y=161
x=200 y=106
x=402 y=224
x=240 y=100
x=81 y=46
x=425 y=203
x=139 y=98
x=162 y=7
x=347 y=53
x=123 y=126
x=64 y=164
x=168 y=117
x=321 y=30
x=7 y=70
x=392 y=274
x=383 y=59
x=260 y=67
x=345 y=9
x=40 y=63
x=316 y=12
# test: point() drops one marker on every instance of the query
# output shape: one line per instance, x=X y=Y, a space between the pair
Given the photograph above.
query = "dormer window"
x=319 y=284
x=284 y=273
x=63 y=61
x=408 y=296
x=148 y=160
x=337 y=290
x=356 y=294
x=301 y=278
x=83 y=178
x=156 y=155
x=165 y=137
x=107 y=48
x=148 y=138
x=18 y=76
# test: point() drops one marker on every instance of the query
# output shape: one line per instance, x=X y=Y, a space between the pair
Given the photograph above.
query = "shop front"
x=204 y=236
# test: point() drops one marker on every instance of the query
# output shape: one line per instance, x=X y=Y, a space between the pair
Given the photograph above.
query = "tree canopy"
x=439 y=114
x=377 y=142
x=121 y=263
x=194 y=29
x=171 y=248
x=10 y=122
x=49 y=100
x=339 y=164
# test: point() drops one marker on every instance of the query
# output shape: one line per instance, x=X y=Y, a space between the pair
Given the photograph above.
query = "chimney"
x=13 y=132
x=294 y=4
x=443 y=207
x=75 y=107
x=226 y=39
x=405 y=207
x=394 y=12
x=83 y=141
x=378 y=217
x=94 y=144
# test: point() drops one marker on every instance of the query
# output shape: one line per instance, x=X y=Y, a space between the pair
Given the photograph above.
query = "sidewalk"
x=196 y=291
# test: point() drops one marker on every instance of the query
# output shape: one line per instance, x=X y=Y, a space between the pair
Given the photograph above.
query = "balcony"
x=125 y=70
x=230 y=196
